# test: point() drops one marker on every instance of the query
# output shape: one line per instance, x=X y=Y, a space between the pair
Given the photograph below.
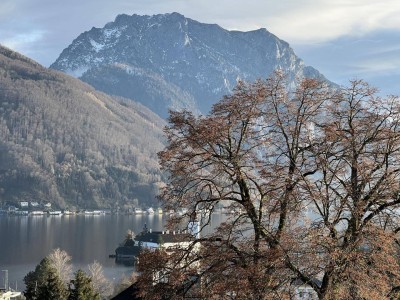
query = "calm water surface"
x=26 y=240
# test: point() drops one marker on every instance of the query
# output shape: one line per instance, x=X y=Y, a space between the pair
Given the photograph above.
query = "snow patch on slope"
x=114 y=32
x=96 y=46
x=187 y=40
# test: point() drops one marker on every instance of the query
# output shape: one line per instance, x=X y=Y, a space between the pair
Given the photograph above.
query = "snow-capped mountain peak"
x=196 y=62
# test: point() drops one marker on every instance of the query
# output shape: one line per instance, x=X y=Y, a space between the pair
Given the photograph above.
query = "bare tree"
x=311 y=177
x=354 y=197
x=101 y=284
x=61 y=261
x=247 y=156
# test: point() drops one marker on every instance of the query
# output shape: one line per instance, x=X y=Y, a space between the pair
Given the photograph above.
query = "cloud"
x=307 y=21
x=23 y=40
x=296 y=21
x=318 y=21
x=341 y=38
x=7 y=8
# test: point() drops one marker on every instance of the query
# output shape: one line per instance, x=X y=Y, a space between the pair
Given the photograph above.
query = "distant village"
x=25 y=208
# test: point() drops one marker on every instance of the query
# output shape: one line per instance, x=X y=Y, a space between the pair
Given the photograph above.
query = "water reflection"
x=26 y=240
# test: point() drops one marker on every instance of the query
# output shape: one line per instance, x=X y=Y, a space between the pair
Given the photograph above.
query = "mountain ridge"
x=201 y=62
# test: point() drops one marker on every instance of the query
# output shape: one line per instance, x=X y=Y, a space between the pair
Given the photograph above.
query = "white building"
x=9 y=295
x=23 y=204
x=303 y=291
x=163 y=239
x=170 y=241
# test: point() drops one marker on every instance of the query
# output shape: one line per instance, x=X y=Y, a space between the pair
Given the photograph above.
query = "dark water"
x=26 y=240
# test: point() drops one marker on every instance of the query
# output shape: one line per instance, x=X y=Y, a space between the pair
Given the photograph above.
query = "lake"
x=26 y=240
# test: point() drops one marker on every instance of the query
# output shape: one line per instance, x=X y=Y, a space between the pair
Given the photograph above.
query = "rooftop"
x=161 y=237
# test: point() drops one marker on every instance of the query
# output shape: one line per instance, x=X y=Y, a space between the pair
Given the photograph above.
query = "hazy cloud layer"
x=362 y=31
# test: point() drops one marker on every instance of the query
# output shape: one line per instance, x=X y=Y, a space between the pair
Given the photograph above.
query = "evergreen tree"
x=53 y=288
x=81 y=288
x=35 y=280
x=31 y=286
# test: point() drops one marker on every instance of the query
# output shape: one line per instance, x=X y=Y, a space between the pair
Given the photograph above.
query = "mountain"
x=63 y=142
x=169 y=61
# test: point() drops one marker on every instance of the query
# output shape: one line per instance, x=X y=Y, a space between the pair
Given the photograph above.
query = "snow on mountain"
x=177 y=62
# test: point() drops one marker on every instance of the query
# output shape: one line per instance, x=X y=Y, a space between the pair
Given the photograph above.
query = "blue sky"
x=343 y=39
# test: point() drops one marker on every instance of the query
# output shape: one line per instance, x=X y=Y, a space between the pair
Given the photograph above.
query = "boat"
x=55 y=212
x=37 y=213
x=21 y=212
x=160 y=211
x=137 y=211
x=93 y=212
x=150 y=211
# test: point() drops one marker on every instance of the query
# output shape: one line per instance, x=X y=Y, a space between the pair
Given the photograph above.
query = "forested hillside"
x=63 y=142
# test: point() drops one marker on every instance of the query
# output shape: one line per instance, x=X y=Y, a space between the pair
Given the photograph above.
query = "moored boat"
x=21 y=212
x=137 y=211
x=37 y=213
x=55 y=213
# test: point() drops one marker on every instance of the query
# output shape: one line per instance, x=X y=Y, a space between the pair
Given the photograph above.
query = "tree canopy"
x=81 y=288
x=311 y=176
x=52 y=279
x=62 y=141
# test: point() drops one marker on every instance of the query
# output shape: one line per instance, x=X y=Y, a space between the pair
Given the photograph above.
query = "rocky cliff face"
x=172 y=62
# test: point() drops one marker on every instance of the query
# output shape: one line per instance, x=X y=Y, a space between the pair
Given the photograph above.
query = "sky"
x=343 y=39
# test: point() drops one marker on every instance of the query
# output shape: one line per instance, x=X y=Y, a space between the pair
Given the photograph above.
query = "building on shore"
x=10 y=295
